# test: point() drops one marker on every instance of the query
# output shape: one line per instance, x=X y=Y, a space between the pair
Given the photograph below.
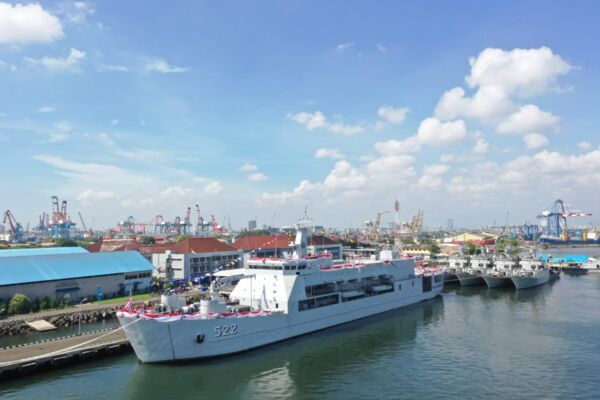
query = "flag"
x=129 y=303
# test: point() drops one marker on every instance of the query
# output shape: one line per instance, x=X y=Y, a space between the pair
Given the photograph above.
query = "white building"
x=191 y=258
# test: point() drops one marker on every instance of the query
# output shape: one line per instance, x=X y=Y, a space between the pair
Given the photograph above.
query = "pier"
x=16 y=361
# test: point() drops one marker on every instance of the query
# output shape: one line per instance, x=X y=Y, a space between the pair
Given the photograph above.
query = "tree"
x=471 y=249
x=434 y=248
x=147 y=239
x=65 y=242
x=19 y=304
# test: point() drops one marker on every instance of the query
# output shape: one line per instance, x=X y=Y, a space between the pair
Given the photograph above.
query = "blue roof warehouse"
x=72 y=272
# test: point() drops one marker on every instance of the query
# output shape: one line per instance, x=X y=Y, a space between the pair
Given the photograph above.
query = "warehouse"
x=72 y=272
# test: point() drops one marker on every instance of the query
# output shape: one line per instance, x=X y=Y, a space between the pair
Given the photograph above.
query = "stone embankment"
x=14 y=327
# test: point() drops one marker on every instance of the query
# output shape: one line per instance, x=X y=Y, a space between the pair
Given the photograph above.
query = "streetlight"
x=79 y=319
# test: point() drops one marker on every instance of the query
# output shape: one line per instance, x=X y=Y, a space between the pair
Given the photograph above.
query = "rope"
x=69 y=348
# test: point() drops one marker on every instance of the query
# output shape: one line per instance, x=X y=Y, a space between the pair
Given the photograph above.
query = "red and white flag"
x=129 y=303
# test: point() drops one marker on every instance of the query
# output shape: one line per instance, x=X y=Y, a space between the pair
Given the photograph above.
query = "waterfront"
x=470 y=343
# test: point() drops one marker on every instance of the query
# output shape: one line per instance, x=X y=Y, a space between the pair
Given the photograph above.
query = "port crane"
x=553 y=220
x=16 y=230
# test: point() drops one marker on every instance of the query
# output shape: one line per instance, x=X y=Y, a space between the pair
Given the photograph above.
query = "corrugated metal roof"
x=16 y=270
x=42 y=251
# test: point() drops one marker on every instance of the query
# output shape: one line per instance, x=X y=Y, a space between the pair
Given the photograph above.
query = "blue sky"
x=467 y=110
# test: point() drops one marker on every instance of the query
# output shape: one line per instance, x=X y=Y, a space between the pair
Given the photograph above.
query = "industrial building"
x=72 y=272
x=191 y=257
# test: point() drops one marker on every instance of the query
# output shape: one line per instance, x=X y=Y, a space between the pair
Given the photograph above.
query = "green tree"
x=471 y=249
x=45 y=303
x=147 y=239
x=255 y=232
x=65 y=242
x=434 y=248
x=19 y=304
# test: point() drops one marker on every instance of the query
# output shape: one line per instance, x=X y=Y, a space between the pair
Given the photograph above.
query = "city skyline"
x=258 y=110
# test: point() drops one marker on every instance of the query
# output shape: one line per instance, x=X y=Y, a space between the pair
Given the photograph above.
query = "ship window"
x=399 y=286
x=413 y=283
x=319 y=290
x=276 y=305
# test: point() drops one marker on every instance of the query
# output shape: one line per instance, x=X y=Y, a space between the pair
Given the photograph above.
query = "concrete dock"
x=19 y=360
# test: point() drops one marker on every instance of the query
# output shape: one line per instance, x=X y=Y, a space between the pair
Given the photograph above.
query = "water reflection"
x=306 y=364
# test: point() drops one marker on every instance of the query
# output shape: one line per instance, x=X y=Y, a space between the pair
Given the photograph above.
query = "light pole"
x=79 y=319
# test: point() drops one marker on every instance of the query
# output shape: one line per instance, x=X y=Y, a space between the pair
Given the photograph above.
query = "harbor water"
x=470 y=343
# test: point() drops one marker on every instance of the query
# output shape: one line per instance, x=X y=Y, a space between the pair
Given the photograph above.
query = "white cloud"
x=162 y=66
x=430 y=182
x=535 y=140
x=342 y=47
x=28 y=23
x=213 y=188
x=489 y=104
x=334 y=154
x=90 y=196
x=390 y=164
x=433 y=132
x=393 y=115
x=344 y=177
x=523 y=72
x=112 y=68
x=46 y=109
x=96 y=176
x=481 y=145
x=4 y=64
x=381 y=48
x=114 y=122
x=257 y=177
x=317 y=120
x=77 y=12
x=176 y=192
x=446 y=158
x=584 y=145
x=529 y=119
x=436 y=169
x=60 y=64
x=248 y=168
x=499 y=76
x=60 y=131
x=411 y=144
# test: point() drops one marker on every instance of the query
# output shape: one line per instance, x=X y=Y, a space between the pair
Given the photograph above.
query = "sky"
x=479 y=112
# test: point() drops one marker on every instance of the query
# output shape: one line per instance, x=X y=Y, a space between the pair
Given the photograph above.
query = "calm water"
x=477 y=343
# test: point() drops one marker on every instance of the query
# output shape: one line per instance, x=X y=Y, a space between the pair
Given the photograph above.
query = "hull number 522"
x=225 y=330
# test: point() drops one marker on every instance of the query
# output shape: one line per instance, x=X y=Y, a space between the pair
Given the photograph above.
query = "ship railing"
x=168 y=317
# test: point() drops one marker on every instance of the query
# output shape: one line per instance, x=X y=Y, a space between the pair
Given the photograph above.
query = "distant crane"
x=16 y=229
x=199 y=220
x=553 y=220
x=85 y=229
x=374 y=226
x=60 y=223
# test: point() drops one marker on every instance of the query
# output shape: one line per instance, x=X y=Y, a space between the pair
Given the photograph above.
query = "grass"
x=124 y=299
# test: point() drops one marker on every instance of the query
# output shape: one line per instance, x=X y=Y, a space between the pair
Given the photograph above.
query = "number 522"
x=225 y=330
